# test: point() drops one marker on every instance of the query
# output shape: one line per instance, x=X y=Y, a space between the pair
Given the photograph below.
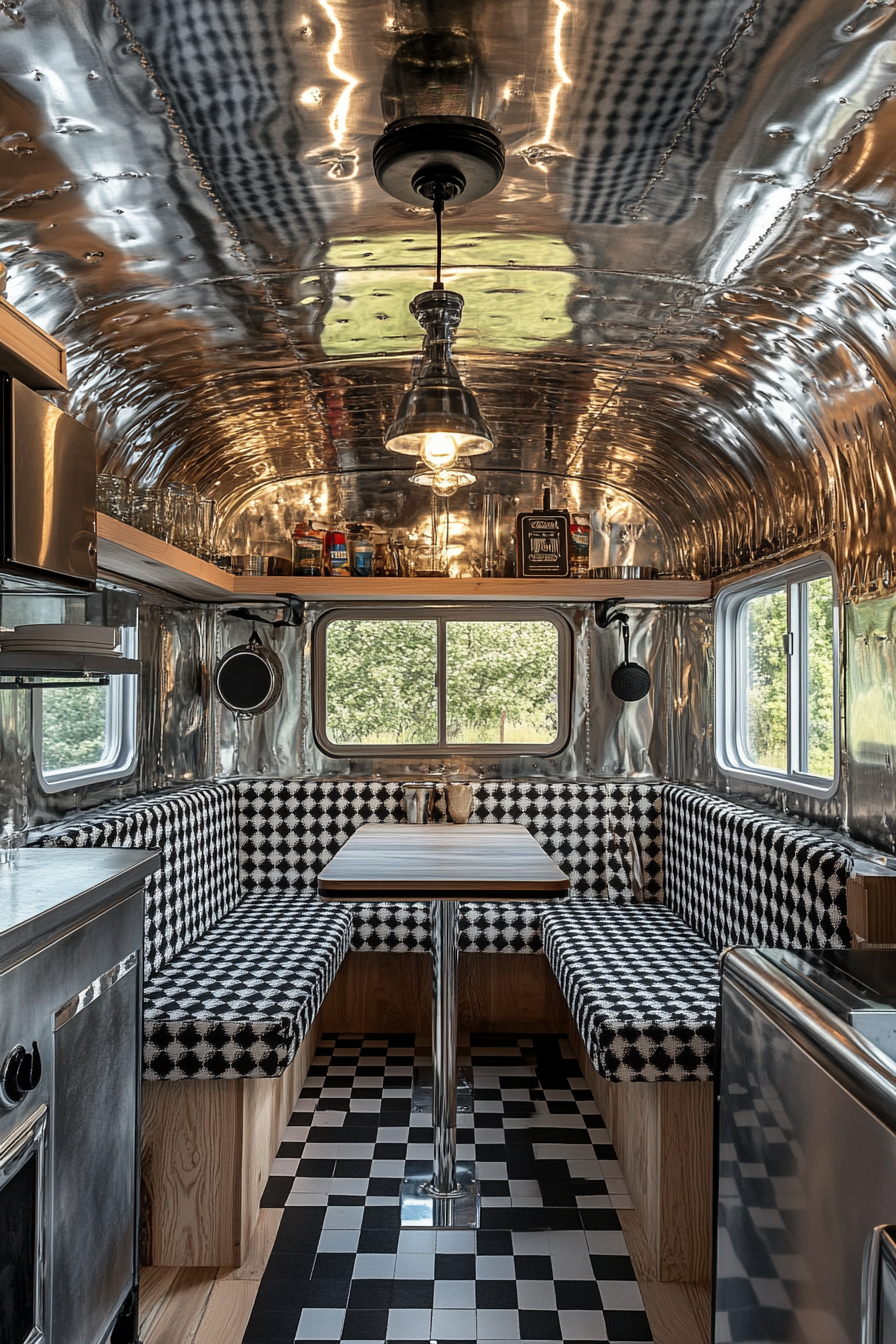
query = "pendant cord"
x=438 y=205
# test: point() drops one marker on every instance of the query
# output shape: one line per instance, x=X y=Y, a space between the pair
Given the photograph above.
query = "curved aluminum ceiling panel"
x=681 y=293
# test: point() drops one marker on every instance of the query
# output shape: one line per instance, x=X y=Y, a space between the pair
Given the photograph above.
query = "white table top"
x=493 y=862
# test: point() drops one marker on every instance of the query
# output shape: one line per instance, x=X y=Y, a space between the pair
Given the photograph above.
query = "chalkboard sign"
x=542 y=545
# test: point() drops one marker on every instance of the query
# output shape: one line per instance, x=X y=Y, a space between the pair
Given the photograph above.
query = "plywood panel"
x=207 y=1151
x=663 y=1137
x=28 y=353
x=871 y=905
x=392 y=991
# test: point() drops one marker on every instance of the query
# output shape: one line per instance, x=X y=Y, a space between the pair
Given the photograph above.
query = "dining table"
x=444 y=865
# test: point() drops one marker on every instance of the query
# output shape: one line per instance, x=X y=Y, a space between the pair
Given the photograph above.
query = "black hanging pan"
x=249 y=678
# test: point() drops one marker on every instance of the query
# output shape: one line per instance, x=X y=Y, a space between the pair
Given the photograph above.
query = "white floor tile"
x=488 y=1171
x=320 y=1152
x=374 y=1267
x=496 y=1324
x=583 y=1325
x=458 y=1242
x=530 y=1243
x=409 y=1324
x=606 y=1243
x=620 y=1295
x=495 y=1266
x=416 y=1241
x=415 y=1266
x=453 y=1325
x=321 y=1323
x=454 y=1294
x=536 y=1295
x=340 y=1216
x=284 y=1166
x=339 y=1241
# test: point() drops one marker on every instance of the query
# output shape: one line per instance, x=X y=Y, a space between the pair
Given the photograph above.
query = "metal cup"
x=418 y=802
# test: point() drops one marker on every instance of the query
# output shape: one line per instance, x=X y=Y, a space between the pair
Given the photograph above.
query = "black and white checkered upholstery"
x=512 y=926
x=600 y=834
x=641 y=985
x=740 y=877
x=199 y=880
x=727 y=875
x=238 y=1002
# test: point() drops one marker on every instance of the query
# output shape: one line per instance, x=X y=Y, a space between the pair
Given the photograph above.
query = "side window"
x=498 y=682
x=87 y=733
x=777 y=671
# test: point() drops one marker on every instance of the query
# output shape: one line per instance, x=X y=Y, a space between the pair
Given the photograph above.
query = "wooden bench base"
x=663 y=1136
x=207 y=1152
x=392 y=991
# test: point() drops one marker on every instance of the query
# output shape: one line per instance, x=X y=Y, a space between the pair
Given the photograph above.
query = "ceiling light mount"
x=416 y=151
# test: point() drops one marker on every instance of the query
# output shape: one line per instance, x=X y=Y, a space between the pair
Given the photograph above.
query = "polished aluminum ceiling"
x=680 y=301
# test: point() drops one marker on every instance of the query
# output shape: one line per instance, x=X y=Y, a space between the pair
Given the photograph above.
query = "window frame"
x=119 y=758
x=730 y=700
x=442 y=615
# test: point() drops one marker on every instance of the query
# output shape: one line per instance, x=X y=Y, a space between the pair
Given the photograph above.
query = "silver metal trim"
x=856 y=1064
x=31 y=1137
x=92 y=992
x=441 y=613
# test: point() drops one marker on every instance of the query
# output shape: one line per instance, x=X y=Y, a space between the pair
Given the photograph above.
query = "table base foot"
x=421 y=1090
x=421 y=1209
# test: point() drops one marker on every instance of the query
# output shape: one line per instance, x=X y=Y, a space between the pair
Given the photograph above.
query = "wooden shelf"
x=478 y=590
x=126 y=553
x=28 y=353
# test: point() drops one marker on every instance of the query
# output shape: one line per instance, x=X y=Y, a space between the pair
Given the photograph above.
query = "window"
x=777 y=643
x=87 y=733
x=496 y=682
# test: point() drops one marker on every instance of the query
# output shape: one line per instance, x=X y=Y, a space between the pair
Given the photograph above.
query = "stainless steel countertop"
x=46 y=892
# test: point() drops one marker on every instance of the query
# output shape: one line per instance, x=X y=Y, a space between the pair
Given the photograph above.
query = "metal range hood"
x=48 y=466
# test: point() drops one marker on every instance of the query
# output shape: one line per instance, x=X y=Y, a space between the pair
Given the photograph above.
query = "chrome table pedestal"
x=446 y=1194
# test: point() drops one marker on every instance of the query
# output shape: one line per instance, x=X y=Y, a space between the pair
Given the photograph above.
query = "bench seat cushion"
x=403 y=926
x=239 y=1000
x=642 y=987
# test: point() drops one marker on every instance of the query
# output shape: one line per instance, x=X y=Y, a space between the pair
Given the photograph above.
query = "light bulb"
x=439 y=450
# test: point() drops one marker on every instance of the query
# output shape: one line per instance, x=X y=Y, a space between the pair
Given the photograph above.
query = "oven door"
x=23 y=1286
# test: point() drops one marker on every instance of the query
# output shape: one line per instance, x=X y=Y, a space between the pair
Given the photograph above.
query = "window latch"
x=788 y=644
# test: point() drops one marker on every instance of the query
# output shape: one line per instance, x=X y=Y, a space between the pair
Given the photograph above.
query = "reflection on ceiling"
x=682 y=291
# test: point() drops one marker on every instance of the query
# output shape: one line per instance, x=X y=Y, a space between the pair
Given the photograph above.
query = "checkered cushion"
x=642 y=987
x=393 y=926
x=198 y=882
x=741 y=877
x=240 y=999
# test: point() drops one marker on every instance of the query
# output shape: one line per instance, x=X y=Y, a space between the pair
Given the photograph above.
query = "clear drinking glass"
x=182 y=516
x=113 y=496
x=205 y=520
x=144 y=507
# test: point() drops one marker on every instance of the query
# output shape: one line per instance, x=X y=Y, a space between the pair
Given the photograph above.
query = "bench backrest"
x=198 y=882
x=741 y=877
x=289 y=829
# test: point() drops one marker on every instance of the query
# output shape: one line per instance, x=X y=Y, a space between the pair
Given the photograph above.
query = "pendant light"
x=438 y=419
x=444 y=481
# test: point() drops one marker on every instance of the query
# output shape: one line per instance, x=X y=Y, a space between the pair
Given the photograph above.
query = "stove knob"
x=20 y=1074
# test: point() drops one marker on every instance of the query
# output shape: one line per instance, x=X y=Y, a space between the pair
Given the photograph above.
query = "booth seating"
x=240 y=956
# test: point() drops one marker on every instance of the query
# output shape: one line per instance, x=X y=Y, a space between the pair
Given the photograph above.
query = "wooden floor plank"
x=679 y=1313
x=227 y=1312
x=183 y=1307
x=260 y=1247
x=156 y=1282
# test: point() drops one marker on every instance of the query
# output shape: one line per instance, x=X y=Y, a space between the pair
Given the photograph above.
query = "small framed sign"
x=542 y=545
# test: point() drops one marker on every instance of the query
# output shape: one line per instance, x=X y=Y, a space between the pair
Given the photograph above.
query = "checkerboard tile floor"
x=549 y=1261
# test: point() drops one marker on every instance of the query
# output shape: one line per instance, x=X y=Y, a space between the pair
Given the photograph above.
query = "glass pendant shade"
x=446 y=480
x=438 y=419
